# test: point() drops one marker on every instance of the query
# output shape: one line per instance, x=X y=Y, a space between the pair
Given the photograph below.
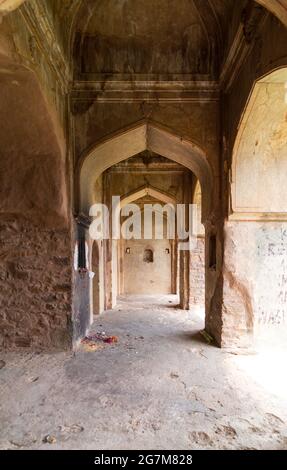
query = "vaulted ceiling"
x=147 y=37
x=277 y=7
x=151 y=37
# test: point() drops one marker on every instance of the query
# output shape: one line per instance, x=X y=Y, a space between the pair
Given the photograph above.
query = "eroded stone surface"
x=35 y=286
x=254 y=279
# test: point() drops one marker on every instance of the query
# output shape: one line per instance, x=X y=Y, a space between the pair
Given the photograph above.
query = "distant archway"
x=147 y=191
x=156 y=259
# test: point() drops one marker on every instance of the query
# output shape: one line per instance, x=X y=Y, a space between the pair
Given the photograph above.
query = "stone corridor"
x=143 y=224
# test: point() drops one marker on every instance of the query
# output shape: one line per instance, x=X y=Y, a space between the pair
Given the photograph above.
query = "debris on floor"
x=49 y=439
x=103 y=337
x=93 y=342
x=73 y=429
x=32 y=379
x=2 y=364
x=90 y=346
x=174 y=375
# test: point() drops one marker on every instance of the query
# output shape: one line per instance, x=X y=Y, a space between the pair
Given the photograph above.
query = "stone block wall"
x=197 y=275
x=35 y=286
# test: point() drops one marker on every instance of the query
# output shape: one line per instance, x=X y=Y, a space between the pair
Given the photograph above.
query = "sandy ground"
x=160 y=387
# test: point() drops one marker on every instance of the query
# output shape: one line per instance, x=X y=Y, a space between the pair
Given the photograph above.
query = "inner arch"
x=144 y=136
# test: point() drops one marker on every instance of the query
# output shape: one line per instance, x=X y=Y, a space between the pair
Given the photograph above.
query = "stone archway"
x=127 y=143
x=147 y=191
x=131 y=141
x=165 y=263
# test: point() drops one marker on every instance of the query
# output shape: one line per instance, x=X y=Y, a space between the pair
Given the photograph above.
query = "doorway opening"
x=146 y=167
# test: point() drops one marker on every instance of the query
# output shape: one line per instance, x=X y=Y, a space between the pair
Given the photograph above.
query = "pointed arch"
x=134 y=140
x=259 y=156
x=147 y=191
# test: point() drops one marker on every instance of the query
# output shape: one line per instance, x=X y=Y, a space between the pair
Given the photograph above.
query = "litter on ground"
x=94 y=341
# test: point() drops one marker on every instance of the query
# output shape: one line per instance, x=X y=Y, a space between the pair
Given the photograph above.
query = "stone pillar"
x=197 y=275
x=184 y=256
x=213 y=279
x=108 y=252
x=82 y=283
x=174 y=265
x=184 y=279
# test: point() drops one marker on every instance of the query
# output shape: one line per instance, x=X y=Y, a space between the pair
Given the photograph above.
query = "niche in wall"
x=148 y=256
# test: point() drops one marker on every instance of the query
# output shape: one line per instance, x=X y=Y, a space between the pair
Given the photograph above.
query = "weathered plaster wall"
x=35 y=261
x=28 y=38
x=147 y=278
x=260 y=157
x=33 y=160
x=255 y=280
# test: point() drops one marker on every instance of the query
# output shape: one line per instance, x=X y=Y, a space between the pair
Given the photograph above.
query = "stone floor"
x=160 y=387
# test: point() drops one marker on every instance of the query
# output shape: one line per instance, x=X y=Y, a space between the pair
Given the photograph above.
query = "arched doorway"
x=156 y=258
x=92 y=189
x=131 y=141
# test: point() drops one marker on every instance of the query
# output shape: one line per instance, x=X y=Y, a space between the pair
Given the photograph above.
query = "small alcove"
x=148 y=256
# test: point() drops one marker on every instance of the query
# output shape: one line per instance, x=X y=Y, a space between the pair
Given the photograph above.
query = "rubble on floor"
x=94 y=341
